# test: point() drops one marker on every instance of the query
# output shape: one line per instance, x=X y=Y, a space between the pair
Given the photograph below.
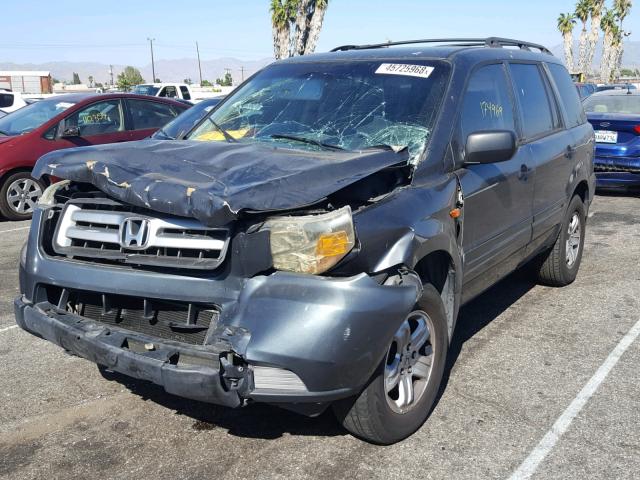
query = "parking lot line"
x=531 y=463
x=8 y=328
x=15 y=229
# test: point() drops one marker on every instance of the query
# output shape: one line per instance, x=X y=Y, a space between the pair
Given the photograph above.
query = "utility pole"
x=153 y=66
x=111 y=73
x=242 y=74
x=199 y=66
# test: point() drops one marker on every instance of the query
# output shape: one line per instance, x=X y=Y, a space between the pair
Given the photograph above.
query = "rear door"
x=551 y=146
x=147 y=116
x=497 y=196
x=97 y=123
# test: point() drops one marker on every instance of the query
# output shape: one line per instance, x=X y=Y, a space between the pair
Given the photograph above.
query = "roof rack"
x=493 y=42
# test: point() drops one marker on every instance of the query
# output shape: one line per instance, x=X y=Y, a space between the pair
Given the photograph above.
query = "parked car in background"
x=180 y=126
x=615 y=116
x=615 y=86
x=586 y=89
x=11 y=101
x=176 y=91
x=316 y=250
x=65 y=121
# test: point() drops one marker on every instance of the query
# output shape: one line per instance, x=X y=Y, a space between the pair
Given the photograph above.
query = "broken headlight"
x=48 y=197
x=312 y=243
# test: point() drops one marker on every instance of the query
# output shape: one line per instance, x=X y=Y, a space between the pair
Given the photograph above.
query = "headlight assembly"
x=312 y=243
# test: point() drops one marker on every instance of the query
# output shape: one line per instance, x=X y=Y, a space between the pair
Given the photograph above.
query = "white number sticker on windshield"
x=407 y=69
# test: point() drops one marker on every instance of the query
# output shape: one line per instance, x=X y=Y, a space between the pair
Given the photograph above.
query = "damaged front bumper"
x=282 y=338
x=186 y=371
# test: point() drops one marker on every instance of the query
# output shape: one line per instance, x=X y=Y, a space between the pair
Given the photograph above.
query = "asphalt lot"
x=520 y=356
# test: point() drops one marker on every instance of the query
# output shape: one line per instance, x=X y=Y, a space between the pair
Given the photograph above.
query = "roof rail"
x=493 y=42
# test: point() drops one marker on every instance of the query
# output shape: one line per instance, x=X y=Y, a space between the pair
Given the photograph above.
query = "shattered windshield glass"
x=334 y=105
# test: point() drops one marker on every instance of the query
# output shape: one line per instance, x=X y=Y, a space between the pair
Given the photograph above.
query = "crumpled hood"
x=213 y=181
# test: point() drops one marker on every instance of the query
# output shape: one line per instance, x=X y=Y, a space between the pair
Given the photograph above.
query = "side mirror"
x=490 y=147
x=71 y=132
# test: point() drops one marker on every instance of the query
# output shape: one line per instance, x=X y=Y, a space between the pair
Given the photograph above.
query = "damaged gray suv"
x=310 y=243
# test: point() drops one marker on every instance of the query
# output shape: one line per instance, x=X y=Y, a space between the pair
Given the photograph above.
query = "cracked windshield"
x=340 y=106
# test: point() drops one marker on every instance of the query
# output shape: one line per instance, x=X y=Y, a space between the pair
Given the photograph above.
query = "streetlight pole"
x=153 y=66
x=199 y=66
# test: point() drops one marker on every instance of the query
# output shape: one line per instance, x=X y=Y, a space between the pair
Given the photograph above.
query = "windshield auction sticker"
x=407 y=69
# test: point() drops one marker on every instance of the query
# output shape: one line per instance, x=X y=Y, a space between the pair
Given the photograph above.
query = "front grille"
x=114 y=233
x=177 y=321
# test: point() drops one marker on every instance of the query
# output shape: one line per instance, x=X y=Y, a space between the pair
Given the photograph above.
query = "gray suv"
x=310 y=243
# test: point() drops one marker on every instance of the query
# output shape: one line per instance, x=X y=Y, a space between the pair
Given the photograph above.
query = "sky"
x=117 y=31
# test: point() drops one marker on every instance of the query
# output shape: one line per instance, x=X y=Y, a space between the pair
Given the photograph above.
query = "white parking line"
x=14 y=229
x=8 y=328
x=531 y=463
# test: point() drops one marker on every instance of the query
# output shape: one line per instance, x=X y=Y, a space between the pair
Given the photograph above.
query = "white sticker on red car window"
x=407 y=69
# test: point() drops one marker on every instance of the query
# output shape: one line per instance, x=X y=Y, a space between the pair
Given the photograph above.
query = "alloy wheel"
x=22 y=195
x=409 y=362
x=574 y=233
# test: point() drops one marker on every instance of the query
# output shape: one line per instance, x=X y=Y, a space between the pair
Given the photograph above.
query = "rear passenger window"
x=534 y=104
x=185 y=92
x=568 y=95
x=146 y=114
x=486 y=104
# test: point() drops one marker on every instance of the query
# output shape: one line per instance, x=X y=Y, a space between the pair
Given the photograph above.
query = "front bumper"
x=330 y=332
x=186 y=371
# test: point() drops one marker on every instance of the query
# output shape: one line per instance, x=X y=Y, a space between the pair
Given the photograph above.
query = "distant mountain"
x=166 y=70
x=630 y=56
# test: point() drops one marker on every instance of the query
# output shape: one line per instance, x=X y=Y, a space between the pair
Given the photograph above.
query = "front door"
x=98 y=123
x=497 y=196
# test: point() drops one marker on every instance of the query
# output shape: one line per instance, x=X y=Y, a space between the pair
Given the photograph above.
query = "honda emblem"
x=134 y=233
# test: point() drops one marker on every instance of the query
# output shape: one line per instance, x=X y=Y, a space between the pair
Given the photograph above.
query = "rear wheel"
x=19 y=194
x=399 y=397
x=559 y=266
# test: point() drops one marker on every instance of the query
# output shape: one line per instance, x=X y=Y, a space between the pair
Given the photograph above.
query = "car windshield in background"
x=183 y=123
x=32 y=116
x=146 y=90
x=622 y=104
x=334 y=105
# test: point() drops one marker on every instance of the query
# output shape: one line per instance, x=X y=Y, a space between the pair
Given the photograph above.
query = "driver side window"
x=97 y=119
x=487 y=104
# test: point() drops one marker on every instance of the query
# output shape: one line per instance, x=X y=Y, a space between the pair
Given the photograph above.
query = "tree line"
x=600 y=18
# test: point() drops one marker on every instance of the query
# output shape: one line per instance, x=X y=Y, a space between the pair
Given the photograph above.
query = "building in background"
x=30 y=82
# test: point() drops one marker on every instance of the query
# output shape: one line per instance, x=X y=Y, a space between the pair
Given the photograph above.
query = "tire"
x=374 y=415
x=19 y=193
x=557 y=268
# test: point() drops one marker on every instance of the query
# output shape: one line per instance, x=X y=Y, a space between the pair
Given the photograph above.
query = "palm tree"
x=566 y=22
x=596 y=16
x=304 y=17
x=622 y=9
x=609 y=29
x=281 y=11
x=583 y=10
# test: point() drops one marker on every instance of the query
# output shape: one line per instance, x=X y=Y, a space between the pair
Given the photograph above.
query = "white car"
x=10 y=101
x=179 y=91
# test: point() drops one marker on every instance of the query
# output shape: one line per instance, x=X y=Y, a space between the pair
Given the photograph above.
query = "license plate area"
x=606 y=136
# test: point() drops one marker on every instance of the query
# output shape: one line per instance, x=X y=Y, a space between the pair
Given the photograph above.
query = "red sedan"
x=65 y=121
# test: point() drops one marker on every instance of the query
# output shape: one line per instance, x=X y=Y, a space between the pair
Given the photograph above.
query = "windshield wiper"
x=309 y=141
x=390 y=148
x=227 y=136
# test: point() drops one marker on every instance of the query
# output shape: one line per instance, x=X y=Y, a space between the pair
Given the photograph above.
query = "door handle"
x=569 y=152
x=524 y=173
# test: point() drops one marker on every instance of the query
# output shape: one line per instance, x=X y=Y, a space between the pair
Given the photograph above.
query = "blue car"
x=615 y=116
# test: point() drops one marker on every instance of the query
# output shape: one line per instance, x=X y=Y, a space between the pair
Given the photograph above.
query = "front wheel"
x=559 y=266
x=402 y=391
x=19 y=194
